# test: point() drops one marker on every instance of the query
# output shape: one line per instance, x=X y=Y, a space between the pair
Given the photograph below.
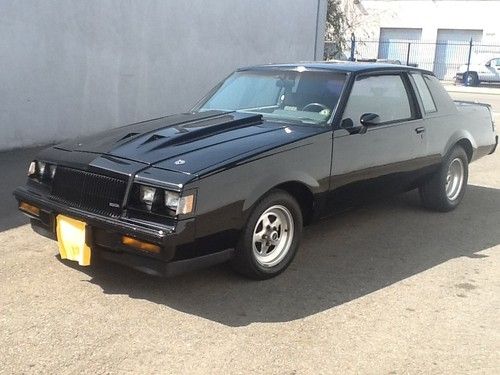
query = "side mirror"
x=369 y=119
x=488 y=64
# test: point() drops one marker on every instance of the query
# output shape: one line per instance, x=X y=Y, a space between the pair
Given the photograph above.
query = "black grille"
x=88 y=191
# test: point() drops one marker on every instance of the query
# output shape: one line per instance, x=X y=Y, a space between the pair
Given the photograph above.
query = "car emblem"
x=115 y=205
x=179 y=162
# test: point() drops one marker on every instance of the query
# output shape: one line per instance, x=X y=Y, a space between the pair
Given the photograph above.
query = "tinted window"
x=384 y=95
x=425 y=94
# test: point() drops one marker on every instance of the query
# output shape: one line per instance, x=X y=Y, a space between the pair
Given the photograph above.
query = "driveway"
x=386 y=288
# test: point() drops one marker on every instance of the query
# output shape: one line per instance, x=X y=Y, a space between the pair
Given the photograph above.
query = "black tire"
x=471 y=79
x=246 y=260
x=433 y=192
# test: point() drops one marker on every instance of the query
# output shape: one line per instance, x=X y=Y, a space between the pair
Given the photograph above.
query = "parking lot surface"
x=386 y=288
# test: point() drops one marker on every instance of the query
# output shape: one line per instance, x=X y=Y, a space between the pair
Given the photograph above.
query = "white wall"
x=72 y=67
x=431 y=15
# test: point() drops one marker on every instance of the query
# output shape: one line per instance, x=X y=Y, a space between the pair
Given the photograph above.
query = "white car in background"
x=482 y=70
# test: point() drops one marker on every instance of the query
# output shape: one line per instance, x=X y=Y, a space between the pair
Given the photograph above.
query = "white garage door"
x=452 y=50
x=394 y=42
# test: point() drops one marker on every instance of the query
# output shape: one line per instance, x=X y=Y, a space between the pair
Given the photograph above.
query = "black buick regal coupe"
x=271 y=148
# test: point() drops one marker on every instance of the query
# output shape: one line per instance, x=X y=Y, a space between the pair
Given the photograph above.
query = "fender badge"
x=179 y=162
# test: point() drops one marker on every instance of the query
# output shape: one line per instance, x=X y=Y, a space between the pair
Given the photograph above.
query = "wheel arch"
x=302 y=194
x=303 y=189
x=467 y=146
x=464 y=139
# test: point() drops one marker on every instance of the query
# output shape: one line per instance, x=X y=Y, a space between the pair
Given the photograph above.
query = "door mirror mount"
x=348 y=124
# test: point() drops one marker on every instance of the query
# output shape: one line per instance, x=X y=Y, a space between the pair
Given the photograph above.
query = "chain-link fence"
x=442 y=57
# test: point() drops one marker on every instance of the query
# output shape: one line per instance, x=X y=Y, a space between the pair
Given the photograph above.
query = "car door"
x=495 y=69
x=490 y=71
x=386 y=156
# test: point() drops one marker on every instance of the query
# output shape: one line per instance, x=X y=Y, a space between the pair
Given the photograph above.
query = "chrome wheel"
x=454 y=179
x=273 y=236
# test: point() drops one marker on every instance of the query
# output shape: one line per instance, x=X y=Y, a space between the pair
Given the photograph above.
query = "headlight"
x=41 y=168
x=171 y=200
x=42 y=171
x=160 y=201
x=52 y=171
x=147 y=195
x=32 y=169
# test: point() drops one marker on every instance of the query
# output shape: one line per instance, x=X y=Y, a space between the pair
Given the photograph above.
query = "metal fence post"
x=353 y=46
x=408 y=54
x=468 y=60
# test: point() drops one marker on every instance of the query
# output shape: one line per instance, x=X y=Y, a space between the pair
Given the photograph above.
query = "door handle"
x=420 y=130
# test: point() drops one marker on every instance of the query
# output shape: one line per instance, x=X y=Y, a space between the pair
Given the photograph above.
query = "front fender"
x=267 y=183
x=224 y=198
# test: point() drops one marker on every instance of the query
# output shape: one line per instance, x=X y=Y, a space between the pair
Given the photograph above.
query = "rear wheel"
x=445 y=190
x=471 y=79
x=271 y=237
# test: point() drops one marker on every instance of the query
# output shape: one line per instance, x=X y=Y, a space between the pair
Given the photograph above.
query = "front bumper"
x=103 y=234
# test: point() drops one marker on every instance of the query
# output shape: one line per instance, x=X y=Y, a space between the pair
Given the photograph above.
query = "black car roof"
x=336 y=66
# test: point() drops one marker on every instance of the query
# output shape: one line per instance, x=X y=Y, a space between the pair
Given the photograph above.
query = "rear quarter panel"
x=450 y=124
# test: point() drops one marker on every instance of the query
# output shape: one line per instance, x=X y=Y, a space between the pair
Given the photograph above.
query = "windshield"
x=308 y=97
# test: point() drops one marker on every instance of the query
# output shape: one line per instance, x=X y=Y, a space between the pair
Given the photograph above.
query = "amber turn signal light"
x=29 y=209
x=141 y=245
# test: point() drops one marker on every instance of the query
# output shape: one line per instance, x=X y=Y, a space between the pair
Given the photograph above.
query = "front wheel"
x=446 y=188
x=270 y=238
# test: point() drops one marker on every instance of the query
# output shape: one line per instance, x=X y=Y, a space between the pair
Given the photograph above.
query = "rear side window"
x=424 y=93
x=384 y=95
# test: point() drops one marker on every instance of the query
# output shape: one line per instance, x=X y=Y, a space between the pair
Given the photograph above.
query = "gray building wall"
x=72 y=67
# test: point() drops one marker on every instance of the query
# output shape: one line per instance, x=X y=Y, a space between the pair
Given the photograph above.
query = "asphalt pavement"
x=386 y=288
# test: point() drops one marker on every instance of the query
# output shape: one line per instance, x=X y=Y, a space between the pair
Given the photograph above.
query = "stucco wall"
x=71 y=67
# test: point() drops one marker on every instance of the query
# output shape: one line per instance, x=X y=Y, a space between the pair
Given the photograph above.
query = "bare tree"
x=344 y=19
x=336 y=27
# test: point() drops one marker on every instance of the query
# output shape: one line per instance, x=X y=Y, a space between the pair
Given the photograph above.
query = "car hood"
x=190 y=142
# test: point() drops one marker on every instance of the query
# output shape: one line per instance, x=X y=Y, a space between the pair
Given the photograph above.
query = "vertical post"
x=408 y=54
x=353 y=46
x=316 y=35
x=468 y=59
x=466 y=75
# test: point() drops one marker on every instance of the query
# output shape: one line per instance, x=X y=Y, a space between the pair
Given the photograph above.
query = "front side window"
x=384 y=95
x=308 y=97
x=424 y=93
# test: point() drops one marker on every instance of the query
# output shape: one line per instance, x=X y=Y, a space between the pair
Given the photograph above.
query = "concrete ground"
x=387 y=288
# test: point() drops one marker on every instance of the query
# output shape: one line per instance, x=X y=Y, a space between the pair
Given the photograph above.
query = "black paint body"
x=231 y=160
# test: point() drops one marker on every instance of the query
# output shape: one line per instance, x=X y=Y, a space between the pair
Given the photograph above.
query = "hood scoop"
x=163 y=138
x=195 y=131
x=153 y=138
x=127 y=136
